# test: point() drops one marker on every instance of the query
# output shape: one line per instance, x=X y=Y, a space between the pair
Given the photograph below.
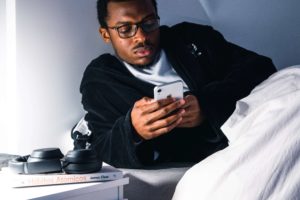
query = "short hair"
x=102 y=10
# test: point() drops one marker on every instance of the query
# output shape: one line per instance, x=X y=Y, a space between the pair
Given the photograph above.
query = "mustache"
x=145 y=44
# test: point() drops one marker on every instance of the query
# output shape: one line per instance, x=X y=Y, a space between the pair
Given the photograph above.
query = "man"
x=130 y=129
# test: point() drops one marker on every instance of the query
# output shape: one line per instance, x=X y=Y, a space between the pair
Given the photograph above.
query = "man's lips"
x=143 y=51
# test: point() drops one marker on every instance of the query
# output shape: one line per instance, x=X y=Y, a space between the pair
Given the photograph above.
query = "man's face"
x=141 y=48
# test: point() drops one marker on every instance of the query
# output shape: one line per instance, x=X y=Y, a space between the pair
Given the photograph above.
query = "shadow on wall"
x=271 y=28
x=175 y=11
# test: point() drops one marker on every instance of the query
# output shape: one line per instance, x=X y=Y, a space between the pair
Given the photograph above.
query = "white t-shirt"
x=158 y=73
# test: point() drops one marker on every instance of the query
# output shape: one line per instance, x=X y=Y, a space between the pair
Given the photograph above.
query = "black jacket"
x=217 y=72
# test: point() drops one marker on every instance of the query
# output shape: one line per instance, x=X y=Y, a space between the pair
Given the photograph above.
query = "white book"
x=107 y=190
x=107 y=173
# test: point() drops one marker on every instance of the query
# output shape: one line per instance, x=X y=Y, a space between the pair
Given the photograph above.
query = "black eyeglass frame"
x=135 y=27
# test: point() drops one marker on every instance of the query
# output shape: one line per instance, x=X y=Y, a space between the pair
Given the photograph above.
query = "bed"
x=262 y=160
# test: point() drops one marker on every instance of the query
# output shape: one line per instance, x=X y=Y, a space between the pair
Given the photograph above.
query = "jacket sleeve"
x=113 y=137
x=235 y=71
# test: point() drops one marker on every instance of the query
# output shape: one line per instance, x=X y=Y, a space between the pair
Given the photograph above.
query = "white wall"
x=271 y=28
x=55 y=41
x=174 y=11
x=2 y=37
x=2 y=54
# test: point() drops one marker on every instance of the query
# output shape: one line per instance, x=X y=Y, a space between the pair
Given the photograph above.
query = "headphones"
x=50 y=160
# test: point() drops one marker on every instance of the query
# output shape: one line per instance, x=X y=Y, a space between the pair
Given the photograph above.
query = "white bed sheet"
x=262 y=160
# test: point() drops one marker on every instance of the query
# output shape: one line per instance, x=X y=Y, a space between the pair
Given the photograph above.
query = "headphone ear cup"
x=16 y=165
x=46 y=160
x=81 y=161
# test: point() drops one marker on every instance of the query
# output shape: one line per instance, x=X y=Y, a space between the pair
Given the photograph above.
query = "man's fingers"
x=143 y=101
x=167 y=121
x=165 y=111
x=156 y=105
x=165 y=130
x=190 y=121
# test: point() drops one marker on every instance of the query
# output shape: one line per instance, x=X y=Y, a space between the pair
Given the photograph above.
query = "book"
x=106 y=190
x=107 y=173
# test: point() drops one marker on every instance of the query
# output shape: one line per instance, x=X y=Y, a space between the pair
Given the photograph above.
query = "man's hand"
x=153 y=118
x=193 y=115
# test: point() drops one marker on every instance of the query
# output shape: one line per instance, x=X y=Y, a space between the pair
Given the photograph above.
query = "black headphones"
x=49 y=160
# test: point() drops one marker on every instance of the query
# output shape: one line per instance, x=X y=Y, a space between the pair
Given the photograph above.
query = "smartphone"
x=172 y=89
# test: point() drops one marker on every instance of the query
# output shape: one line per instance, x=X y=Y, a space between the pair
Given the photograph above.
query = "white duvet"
x=262 y=160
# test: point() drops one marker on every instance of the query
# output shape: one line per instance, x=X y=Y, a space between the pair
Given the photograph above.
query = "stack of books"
x=107 y=173
x=103 y=185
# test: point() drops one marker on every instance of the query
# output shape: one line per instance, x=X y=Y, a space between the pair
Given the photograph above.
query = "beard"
x=154 y=60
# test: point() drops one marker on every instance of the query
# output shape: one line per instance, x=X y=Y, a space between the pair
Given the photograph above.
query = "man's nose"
x=140 y=35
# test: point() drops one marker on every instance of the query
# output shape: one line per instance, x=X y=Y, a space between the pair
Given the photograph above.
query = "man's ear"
x=105 y=35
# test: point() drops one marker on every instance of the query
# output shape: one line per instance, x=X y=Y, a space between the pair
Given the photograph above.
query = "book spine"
x=39 y=180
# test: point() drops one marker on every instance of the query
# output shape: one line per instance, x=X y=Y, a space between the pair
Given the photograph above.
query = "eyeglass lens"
x=129 y=30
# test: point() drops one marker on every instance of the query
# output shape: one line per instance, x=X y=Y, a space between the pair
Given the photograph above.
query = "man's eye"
x=150 y=25
x=150 y=22
x=124 y=29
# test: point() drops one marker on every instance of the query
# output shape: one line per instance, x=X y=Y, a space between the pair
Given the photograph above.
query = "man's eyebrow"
x=119 y=23
x=152 y=15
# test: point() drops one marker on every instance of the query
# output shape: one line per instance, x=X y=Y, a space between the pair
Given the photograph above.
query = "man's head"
x=132 y=28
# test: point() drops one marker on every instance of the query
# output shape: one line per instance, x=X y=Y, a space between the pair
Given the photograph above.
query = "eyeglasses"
x=129 y=30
